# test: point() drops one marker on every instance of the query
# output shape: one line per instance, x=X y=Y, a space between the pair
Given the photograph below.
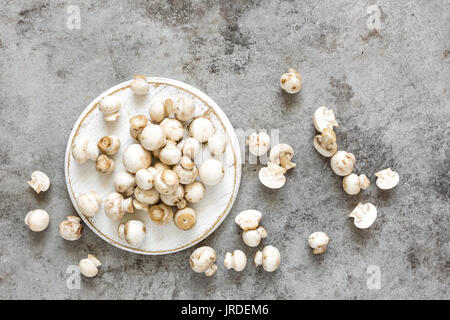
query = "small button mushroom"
x=352 y=184
x=145 y=177
x=248 y=219
x=324 y=118
x=110 y=106
x=269 y=258
x=211 y=172
x=166 y=182
x=184 y=109
x=109 y=145
x=70 y=229
x=185 y=218
x=236 y=260
x=387 y=179
x=132 y=232
x=217 y=144
x=258 y=143
x=83 y=150
x=124 y=181
x=281 y=155
x=342 y=163
x=137 y=124
x=115 y=206
x=135 y=157
x=159 y=166
x=364 y=215
x=139 y=85
x=160 y=109
x=202 y=261
x=318 y=241
x=291 y=82
x=140 y=205
x=152 y=137
x=146 y=196
x=325 y=143
x=39 y=181
x=201 y=129
x=189 y=147
x=272 y=176
x=186 y=170
x=161 y=213
x=89 y=203
x=194 y=192
x=104 y=165
x=89 y=266
x=173 y=129
x=170 y=155
x=252 y=238
x=37 y=220
x=173 y=198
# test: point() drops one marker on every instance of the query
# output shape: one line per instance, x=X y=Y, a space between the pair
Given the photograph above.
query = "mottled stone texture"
x=389 y=90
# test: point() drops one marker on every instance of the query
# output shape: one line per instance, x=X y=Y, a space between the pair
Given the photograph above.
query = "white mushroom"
x=135 y=157
x=115 y=206
x=161 y=213
x=105 y=165
x=140 y=205
x=70 y=229
x=145 y=177
x=236 y=260
x=342 y=163
x=150 y=196
x=124 y=182
x=139 y=85
x=39 y=181
x=109 y=145
x=110 y=106
x=185 y=218
x=166 y=182
x=137 y=124
x=269 y=258
x=201 y=129
x=184 y=109
x=291 y=82
x=170 y=155
x=318 y=241
x=248 y=219
x=174 y=198
x=325 y=143
x=83 y=150
x=252 y=238
x=324 y=118
x=160 y=109
x=133 y=232
x=186 y=170
x=272 y=176
x=364 y=215
x=159 y=166
x=387 y=179
x=152 y=137
x=211 y=172
x=189 y=147
x=37 y=220
x=89 y=266
x=281 y=155
x=89 y=203
x=202 y=260
x=194 y=192
x=217 y=144
x=258 y=143
x=173 y=129
x=352 y=184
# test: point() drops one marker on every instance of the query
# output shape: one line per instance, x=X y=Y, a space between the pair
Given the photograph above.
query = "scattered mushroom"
x=161 y=213
x=194 y=192
x=325 y=143
x=364 y=215
x=145 y=177
x=150 y=196
x=353 y=183
x=37 y=220
x=269 y=258
x=211 y=172
x=236 y=260
x=185 y=218
x=252 y=238
x=137 y=124
x=160 y=109
x=291 y=82
x=272 y=176
x=184 y=109
x=39 y=181
x=186 y=170
x=175 y=199
x=105 y=165
x=166 y=181
x=116 y=206
x=190 y=147
x=387 y=179
x=281 y=155
x=89 y=266
x=159 y=166
x=217 y=144
x=248 y=219
x=139 y=85
x=83 y=150
x=110 y=106
x=342 y=163
x=202 y=261
x=124 y=182
x=173 y=129
x=89 y=203
x=109 y=145
x=140 y=205
x=133 y=232
x=324 y=118
x=152 y=137
x=258 y=143
x=201 y=129
x=318 y=241
x=135 y=157
x=70 y=229
x=170 y=154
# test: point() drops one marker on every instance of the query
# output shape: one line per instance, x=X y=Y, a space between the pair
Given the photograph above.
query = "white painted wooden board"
x=81 y=178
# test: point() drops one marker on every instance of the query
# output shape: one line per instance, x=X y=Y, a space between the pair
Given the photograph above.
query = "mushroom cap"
x=134 y=232
x=281 y=155
x=364 y=215
x=342 y=163
x=325 y=143
x=318 y=241
x=387 y=179
x=258 y=143
x=248 y=219
x=138 y=122
x=324 y=118
x=364 y=182
x=139 y=85
x=190 y=147
x=184 y=109
x=202 y=259
x=113 y=206
x=71 y=228
x=89 y=266
x=80 y=150
x=161 y=213
x=110 y=104
x=185 y=218
x=269 y=258
x=201 y=129
x=135 y=157
x=166 y=181
x=186 y=175
x=173 y=129
x=211 y=172
x=144 y=178
x=157 y=111
x=105 y=165
x=150 y=196
x=194 y=192
x=217 y=144
x=173 y=198
x=170 y=155
x=272 y=176
x=252 y=238
x=236 y=260
x=350 y=184
x=37 y=220
x=39 y=181
x=89 y=203
x=139 y=205
x=152 y=137
x=124 y=181
x=291 y=82
x=109 y=145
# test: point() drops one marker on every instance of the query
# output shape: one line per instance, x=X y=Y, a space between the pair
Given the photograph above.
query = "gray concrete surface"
x=388 y=87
